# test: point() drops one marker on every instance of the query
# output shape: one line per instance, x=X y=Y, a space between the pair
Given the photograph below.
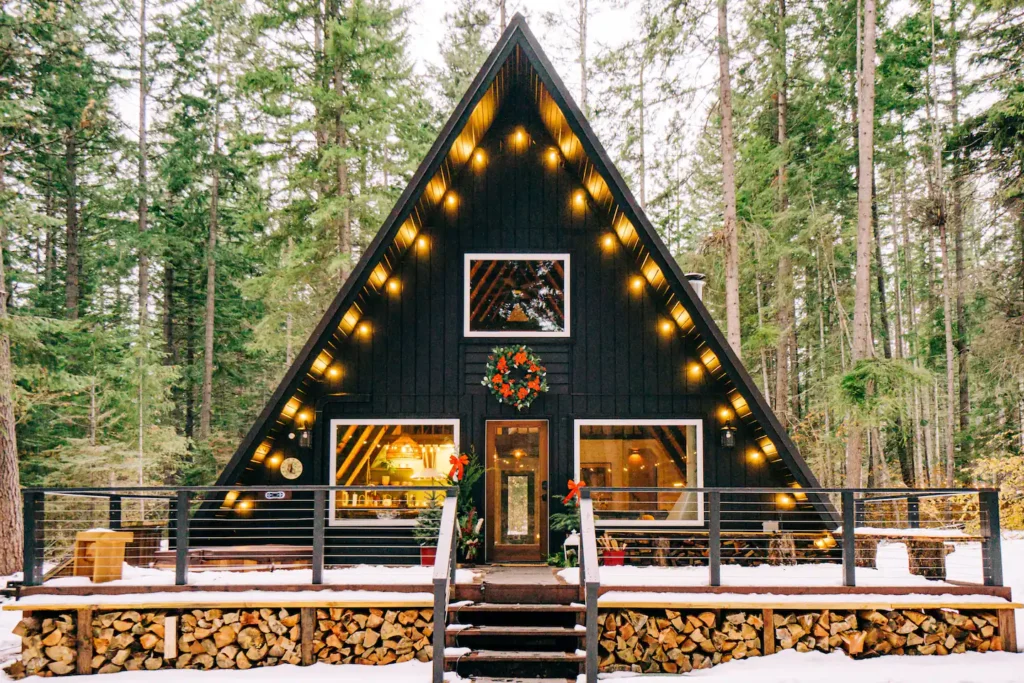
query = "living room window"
x=666 y=454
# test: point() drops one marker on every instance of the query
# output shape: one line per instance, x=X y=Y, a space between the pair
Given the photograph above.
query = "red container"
x=613 y=558
x=427 y=555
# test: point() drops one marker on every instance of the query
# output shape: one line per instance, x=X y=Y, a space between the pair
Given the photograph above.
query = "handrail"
x=444 y=576
x=119 y=490
x=849 y=504
x=590 y=576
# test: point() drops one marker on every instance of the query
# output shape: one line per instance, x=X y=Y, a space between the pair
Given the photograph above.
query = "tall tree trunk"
x=206 y=404
x=643 y=151
x=72 y=290
x=190 y=357
x=501 y=14
x=766 y=387
x=341 y=138
x=731 y=226
x=10 y=487
x=883 y=306
x=143 y=184
x=947 y=310
x=168 y=321
x=583 y=57
x=785 y=356
x=862 y=287
x=957 y=219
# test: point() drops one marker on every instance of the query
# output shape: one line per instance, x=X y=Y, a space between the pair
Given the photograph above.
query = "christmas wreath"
x=515 y=376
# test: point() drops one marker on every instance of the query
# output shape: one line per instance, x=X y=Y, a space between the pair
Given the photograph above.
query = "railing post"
x=32 y=528
x=319 y=515
x=914 y=512
x=991 y=532
x=715 y=539
x=443 y=576
x=590 y=578
x=114 y=512
x=849 y=542
x=181 y=539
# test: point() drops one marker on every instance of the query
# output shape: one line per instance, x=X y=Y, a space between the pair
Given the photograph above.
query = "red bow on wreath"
x=574 y=490
x=458 y=463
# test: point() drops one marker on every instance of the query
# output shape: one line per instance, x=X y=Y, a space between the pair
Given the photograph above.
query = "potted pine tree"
x=428 y=526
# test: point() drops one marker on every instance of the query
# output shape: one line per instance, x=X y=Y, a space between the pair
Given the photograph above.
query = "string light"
x=334 y=372
x=479 y=158
x=608 y=242
x=364 y=329
x=665 y=326
x=552 y=156
x=636 y=284
x=694 y=370
x=451 y=200
x=754 y=456
x=422 y=243
x=244 y=505
x=519 y=136
x=579 y=200
x=394 y=286
x=725 y=414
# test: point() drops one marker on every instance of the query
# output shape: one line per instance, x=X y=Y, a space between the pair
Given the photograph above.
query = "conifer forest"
x=185 y=185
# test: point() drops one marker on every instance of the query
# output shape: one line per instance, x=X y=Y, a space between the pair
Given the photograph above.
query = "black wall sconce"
x=728 y=435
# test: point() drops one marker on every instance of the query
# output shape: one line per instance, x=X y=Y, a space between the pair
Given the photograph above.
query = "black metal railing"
x=837 y=532
x=192 y=535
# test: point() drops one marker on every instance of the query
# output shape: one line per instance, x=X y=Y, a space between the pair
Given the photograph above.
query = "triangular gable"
x=517 y=56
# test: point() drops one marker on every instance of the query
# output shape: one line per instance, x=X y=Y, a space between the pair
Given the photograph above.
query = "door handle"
x=543 y=497
x=544 y=485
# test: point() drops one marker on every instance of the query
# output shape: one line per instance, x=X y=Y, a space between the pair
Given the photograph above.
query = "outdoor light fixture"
x=305 y=433
x=635 y=459
x=728 y=435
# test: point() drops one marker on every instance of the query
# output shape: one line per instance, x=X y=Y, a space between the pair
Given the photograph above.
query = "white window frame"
x=333 y=520
x=699 y=424
x=469 y=258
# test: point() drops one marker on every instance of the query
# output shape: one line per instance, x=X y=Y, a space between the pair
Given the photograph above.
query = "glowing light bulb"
x=519 y=136
x=754 y=456
x=364 y=329
x=608 y=241
x=665 y=326
x=636 y=283
x=334 y=372
x=422 y=243
x=725 y=413
x=244 y=504
x=450 y=200
x=394 y=286
x=579 y=199
x=552 y=156
x=694 y=369
x=479 y=158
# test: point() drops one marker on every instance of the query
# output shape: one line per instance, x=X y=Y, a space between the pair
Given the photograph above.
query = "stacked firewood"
x=872 y=632
x=239 y=639
x=47 y=646
x=372 y=636
x=675 y=642
x=128 y=641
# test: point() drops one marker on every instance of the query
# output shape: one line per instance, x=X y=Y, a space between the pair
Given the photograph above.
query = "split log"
x=372 y=636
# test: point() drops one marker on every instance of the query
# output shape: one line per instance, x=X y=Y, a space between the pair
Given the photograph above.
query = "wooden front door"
x=517 y=491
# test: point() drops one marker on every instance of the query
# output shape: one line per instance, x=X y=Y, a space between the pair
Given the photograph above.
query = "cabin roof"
x=518 y=60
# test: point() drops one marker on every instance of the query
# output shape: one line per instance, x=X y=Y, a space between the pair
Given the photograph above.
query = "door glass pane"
x=517 y=458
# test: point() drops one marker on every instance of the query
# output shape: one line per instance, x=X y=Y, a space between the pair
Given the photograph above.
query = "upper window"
x=517 y=295
x=664 y=454
x=389 y=455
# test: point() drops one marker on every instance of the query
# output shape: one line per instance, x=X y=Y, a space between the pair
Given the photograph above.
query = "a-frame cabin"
x=517 y=230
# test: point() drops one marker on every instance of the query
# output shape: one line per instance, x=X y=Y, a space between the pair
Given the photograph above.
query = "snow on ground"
x=794 y=667
x=256 y=598
x=706 y=600
x=407 y=672
x=893 y=570
x=359 y=575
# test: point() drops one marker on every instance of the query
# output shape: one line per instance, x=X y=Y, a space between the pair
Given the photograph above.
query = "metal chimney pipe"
x=697 y=281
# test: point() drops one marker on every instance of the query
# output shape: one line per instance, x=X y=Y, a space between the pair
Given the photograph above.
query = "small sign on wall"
x=277 y=495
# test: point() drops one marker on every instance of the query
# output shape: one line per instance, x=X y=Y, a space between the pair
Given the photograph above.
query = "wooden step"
x=523 y=631
x=515 y=607
x=488 y=679
x=514 y=656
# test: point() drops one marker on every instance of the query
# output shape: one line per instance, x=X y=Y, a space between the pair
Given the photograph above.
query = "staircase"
x=521 y=624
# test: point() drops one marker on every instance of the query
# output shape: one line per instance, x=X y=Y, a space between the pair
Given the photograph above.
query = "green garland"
x=515 y=376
